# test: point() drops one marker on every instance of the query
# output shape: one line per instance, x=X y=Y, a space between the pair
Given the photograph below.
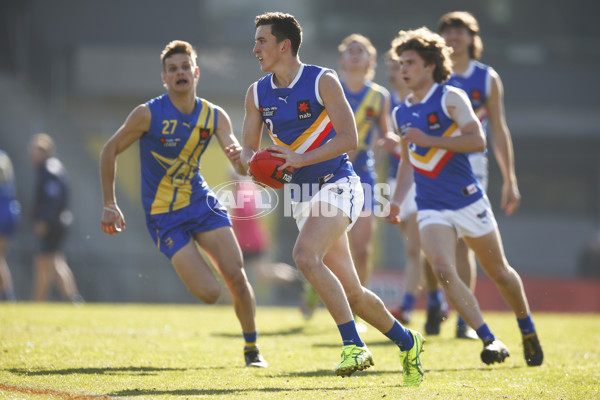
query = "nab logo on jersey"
x=433 y=121
x=303 y=108
x=476 y=98
x=204 y=133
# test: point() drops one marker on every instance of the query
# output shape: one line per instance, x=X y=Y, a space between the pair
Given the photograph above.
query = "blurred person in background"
x=51 y=221
x=370 y=105
x=173 y=131
x=10 y=211
x=484 y=87
x=417 y=267
x=438 y=130
x=310 y=121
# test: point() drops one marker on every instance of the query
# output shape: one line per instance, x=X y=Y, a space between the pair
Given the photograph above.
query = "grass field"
x=59 y=351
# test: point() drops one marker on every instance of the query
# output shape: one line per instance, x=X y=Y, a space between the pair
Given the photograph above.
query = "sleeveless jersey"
x=366 y=105
x=170 y=155
x=394 y=157
x=477 y=83
x=295 y=117
x=444 y=179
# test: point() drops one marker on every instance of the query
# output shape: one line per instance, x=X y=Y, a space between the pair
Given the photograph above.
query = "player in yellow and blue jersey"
x=173 y=131
x=438 y=129
x=312 y=127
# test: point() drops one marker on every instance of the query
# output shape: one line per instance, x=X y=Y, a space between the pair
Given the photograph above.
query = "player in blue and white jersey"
x=438 y=129
x=173 y=131
x=416 y=266
x=310 y=121
x=10 y=212
x=484 y=87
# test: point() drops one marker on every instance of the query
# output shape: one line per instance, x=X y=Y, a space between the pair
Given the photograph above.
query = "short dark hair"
x=283 y=26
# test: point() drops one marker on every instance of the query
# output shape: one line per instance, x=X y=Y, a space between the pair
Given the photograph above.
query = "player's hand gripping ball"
x=263 y=168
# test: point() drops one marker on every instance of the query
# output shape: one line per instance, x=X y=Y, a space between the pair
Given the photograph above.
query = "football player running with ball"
x=313 y=127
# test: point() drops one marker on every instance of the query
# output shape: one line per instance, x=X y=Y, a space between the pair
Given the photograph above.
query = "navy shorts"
x=53 y=240
x=173 y=230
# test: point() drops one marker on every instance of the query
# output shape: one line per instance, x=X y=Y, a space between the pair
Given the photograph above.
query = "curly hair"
x=430 y=46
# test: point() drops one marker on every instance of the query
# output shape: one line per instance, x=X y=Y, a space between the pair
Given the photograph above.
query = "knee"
x=500 y=274
x=306 y=260
x=443 y=273
x=207 y=295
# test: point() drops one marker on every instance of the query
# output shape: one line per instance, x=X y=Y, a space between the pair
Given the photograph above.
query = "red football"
x=263 y=168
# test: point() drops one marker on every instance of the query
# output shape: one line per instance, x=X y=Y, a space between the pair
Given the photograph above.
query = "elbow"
x=352 y=144
x=481 y=145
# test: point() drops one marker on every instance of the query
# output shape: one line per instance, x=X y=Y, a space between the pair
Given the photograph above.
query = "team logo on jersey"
x=370 y=112
x=283 y=175
x=303 y=108
x=204 y=133
x=170 y=142
x=268 y=112
x=476 y=98
x=433 y=121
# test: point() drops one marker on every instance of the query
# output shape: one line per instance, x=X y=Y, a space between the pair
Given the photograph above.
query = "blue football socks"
x=350 y=334
x=401 y=336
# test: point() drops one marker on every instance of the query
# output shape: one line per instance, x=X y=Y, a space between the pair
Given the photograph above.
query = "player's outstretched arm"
x=132 y=129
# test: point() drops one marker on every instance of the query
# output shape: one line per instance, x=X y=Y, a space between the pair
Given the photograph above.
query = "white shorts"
x=345 y=194
x=474 y=220
x=479 y=164
x=409 y=204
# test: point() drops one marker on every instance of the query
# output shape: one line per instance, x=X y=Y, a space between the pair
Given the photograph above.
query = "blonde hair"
x=463 y=19
x=44 y=142
x=363 y=40
x=430 y=46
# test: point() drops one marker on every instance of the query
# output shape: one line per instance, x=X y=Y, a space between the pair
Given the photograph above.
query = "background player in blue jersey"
x=173 y=131
x=484 y=87
x=51 y=221
x=10 y=212
x=439 y=128
x=308 y=117
x=370 y=104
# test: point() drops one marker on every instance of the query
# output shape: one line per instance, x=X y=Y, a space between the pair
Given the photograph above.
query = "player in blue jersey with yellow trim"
x=370 y=104
x=10 y=212
x=417 y=266
x=438 y=129
x=484 y=87
x=173 y=131
x=310 y=121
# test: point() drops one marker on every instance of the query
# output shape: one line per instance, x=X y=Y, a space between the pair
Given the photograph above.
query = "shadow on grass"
x=295 y=330
x=250 y=392
x=94 y=371
x=372 y=343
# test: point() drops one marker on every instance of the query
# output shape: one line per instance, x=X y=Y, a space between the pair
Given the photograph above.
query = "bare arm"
x=404 y=180
x=502 y=145
x=251 y=128
x=342 y=119
x=132 y=129
x=229 y=143
x=389 y=140
x=471 y=138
